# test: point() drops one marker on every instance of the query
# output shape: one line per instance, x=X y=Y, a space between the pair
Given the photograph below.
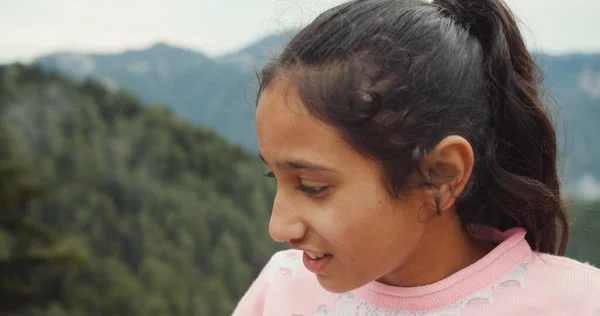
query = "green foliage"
x=213 y=93
x=584 y=239
x=219 y=93
x=28 y=247
x=172 y=217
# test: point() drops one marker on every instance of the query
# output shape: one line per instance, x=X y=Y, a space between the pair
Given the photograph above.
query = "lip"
x=314 y=266
x=317 y=266
x=308 y=250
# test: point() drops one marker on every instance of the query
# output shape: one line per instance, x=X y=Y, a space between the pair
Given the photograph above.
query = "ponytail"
x=518 y=183
x=453 y=67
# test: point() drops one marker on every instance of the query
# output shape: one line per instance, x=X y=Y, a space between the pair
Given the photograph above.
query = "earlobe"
x=448 y=169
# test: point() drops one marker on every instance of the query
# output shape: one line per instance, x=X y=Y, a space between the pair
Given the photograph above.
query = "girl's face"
x=331 y=199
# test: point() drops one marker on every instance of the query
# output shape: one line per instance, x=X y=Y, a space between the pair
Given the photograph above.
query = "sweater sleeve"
x=253 y=301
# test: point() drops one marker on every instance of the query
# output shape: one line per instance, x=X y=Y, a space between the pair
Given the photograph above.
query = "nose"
x=286 y=221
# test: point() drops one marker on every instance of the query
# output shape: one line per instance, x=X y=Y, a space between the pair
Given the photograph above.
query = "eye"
x=311 y=190
x=269 y=174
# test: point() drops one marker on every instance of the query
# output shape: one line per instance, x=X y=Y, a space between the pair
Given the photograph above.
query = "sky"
x=30 y=28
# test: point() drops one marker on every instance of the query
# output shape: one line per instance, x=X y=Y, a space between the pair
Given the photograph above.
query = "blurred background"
x=129 y=177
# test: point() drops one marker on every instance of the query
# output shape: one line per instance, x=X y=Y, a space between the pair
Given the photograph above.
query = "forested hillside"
x=215 y=94
x=112 y=207
x=584 y=239
x=168 y=218
x=219 y=93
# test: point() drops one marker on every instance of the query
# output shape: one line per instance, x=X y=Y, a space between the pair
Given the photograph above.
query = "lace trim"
x=349 y=305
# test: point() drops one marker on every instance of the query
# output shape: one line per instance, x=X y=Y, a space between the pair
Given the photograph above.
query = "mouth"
x=316 y=262
x=315 y=255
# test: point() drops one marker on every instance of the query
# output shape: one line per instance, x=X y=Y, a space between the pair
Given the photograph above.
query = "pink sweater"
x=511 y=280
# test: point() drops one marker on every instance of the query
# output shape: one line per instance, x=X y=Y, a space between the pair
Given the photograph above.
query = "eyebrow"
x=300 y=164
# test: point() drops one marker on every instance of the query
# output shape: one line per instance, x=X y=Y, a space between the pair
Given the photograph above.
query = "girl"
x=416 y=169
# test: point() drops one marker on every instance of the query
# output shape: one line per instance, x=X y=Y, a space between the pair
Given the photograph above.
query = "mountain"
x=189 y=83
x=219 y=93
x=252 y=57
x=172 y=217
x=573 y=86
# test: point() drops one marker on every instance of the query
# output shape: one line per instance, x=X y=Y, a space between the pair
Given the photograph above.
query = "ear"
x=448 y=168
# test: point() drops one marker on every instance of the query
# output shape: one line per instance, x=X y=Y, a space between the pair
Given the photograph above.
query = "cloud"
x=559 y=26
x=32 y=27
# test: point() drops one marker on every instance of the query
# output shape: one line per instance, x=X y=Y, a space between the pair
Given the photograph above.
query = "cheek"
x=376 y=227
x=341 y=221
x=359 y=224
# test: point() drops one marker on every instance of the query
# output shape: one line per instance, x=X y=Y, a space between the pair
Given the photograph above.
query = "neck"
x=446 y=248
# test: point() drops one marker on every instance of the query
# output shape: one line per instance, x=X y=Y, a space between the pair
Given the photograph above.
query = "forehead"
x=284 y=125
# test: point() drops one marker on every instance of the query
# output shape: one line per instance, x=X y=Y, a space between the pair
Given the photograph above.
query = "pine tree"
x=31 y=247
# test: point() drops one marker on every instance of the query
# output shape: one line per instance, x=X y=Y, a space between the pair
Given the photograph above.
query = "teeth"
x=314 y=255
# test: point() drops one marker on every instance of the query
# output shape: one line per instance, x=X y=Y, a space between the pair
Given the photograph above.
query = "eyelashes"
x=269 y=174
x=310 y=190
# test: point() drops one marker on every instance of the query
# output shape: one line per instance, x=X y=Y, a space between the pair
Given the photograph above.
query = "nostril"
x=295 y=243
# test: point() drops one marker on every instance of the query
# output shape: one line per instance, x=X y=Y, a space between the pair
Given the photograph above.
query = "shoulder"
x=282 y=261
x=567 y=267
x=284 y=285
x=575 y=283
x=291 y=288
x=285 y=268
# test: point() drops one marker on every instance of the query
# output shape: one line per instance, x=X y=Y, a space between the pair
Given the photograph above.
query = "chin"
x=337 y=286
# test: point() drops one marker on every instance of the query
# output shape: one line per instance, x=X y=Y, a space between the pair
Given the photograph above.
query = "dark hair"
x=397 y=76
